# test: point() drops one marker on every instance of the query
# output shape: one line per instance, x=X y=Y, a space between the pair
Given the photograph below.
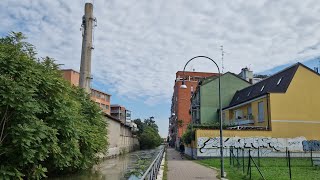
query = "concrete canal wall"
x=120 y=138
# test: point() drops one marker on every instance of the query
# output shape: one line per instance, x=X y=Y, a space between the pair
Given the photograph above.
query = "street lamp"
x=184 y=86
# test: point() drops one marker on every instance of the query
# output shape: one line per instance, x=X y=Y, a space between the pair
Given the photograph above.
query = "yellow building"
x=286 y=103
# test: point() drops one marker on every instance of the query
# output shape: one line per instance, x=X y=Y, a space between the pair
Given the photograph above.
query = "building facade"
x=285 y=103
x=205 y=100
x=101 y=98
x=180 y=106
x=119 y=112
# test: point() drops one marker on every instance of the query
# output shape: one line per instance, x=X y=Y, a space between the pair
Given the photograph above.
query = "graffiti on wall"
x=312 y=145
x=210 y=146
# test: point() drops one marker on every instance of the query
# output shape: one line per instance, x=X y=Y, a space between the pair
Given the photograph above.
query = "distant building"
x=205 y=101
x=180 y=106
x=248 y=75
x=101 y=98
x=120 y=112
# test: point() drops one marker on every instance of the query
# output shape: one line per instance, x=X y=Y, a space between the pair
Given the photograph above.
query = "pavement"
x=184 y=169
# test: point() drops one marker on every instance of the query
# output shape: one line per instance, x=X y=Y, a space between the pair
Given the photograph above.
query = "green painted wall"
x=209 y=96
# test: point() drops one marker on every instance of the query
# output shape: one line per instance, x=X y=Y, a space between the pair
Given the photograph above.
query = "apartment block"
x=120 y=112
x=101 y=98
x=181 y=101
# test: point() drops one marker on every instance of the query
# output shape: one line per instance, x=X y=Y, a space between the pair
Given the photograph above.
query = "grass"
x=272 y=168
x=165 y=169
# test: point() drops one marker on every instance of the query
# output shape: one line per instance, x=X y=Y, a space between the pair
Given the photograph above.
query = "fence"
x=288 y=165
x=152 y=171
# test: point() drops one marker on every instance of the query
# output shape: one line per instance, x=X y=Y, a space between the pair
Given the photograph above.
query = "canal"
x=129 y=166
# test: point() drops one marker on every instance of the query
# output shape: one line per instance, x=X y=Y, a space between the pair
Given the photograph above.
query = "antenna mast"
x=222 y=54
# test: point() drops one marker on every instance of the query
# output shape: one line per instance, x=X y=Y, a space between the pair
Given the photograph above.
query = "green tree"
x=46 y=125
x=149 y=138
x=148 y=134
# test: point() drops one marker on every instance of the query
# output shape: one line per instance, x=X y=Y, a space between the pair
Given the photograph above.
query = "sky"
x=139 y=45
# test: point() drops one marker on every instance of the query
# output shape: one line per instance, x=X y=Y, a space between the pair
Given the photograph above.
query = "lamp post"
x=184 y=86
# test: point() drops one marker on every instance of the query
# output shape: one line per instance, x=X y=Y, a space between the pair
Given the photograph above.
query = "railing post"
x=259 y=156
x=243 y=160
x=311 y=157
x=289 y=164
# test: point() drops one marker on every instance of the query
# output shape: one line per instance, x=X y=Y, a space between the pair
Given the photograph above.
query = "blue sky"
x=139 y=45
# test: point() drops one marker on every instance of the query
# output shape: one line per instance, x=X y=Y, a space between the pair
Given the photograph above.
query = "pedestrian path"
x=185 y=169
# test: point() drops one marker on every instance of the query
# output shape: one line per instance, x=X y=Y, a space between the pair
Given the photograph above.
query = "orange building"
x=101 y=98
x=180 y=106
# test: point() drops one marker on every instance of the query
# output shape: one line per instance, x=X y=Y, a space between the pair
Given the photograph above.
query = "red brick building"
x=180 y=106
x=101 y=98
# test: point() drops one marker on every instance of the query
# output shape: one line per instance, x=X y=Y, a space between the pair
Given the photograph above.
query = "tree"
x=149 y=138
x=46 y=125
x=148 y=134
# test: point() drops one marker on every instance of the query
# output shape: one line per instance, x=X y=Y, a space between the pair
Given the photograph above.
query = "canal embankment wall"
x=120 y=137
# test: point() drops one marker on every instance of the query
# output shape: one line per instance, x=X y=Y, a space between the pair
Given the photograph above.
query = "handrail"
x=152 y=171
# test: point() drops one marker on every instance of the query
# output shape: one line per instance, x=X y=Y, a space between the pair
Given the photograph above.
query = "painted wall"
x=208 y=143
x=209 y=96
x=120 y=138
x=297 y=111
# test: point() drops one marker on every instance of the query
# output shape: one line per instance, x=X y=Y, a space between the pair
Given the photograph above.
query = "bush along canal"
x=128 y=166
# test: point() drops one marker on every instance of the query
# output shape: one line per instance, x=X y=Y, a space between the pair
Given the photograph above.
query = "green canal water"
x=129 y=166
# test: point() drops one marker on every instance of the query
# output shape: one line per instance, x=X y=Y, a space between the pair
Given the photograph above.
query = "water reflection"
x=130 y=166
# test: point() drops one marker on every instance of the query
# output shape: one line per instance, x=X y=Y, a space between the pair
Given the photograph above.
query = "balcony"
x=239 y=122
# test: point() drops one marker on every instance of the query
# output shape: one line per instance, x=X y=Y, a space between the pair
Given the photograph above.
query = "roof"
x=212 y=78
x=277 y=83
x=70 y=70
x=101 y=92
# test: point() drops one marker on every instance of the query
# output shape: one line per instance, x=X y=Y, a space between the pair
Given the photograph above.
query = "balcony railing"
x=240 y=122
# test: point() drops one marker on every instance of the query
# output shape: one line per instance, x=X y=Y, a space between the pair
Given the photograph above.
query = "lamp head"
x=183 y=85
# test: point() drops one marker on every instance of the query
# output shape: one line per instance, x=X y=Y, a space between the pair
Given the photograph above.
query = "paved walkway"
x=185 y=169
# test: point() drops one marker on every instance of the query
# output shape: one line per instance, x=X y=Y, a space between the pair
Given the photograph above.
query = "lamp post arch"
x=183 y=86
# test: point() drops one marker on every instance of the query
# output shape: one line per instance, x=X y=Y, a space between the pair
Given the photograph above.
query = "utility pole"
x=87 y=26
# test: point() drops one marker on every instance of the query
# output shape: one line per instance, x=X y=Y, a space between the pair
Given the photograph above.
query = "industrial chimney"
x=85 y=67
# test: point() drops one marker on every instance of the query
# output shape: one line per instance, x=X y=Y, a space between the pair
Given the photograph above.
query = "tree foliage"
x=148 y=133
x=46 y=125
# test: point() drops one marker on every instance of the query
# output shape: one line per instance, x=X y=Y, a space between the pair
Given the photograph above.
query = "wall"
x=209 y=96
x=208 y=143
x=297 y=111
x=120 y=138
x=71 y=76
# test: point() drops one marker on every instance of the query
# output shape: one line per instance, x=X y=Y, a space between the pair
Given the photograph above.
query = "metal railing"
x=152 y=171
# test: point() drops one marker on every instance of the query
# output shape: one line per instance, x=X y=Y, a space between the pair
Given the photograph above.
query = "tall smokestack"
x=85 y=67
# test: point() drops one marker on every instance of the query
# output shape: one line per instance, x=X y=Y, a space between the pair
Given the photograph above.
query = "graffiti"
x=312 y=145
x=267 y=145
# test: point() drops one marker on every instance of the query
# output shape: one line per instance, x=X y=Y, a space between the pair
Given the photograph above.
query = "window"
x=260 y=112
x=107 y=106
x=238 y=114
x=262 y=88
x=279 y=81
x=107 y=98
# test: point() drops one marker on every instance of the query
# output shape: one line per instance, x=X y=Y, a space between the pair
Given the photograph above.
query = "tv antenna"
x=222 y=55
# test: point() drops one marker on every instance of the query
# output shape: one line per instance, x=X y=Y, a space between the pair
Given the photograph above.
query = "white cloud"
x=139 y=45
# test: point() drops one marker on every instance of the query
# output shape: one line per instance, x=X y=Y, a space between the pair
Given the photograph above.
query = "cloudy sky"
x=139 y=45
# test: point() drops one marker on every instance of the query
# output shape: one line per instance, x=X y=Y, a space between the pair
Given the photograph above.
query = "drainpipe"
x=268 y=110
